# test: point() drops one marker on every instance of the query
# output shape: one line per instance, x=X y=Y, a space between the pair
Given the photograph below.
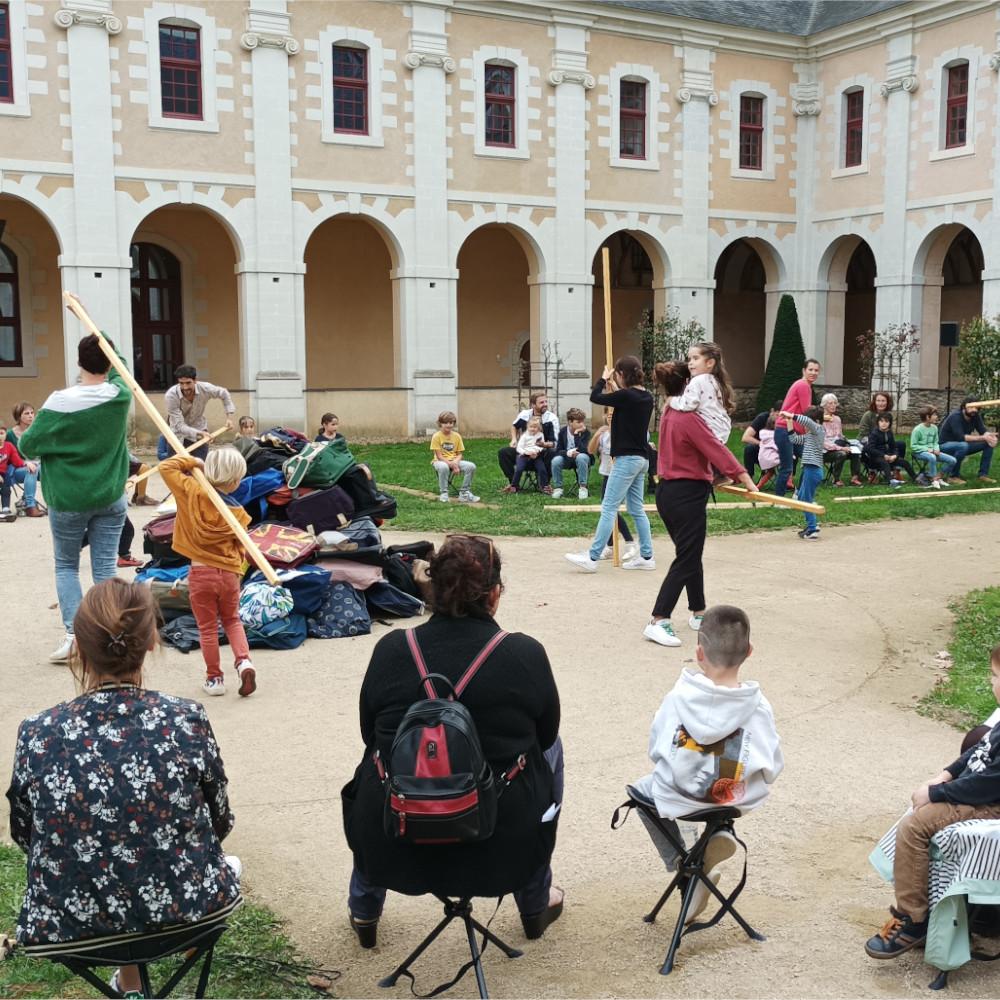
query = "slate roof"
x=793 y=17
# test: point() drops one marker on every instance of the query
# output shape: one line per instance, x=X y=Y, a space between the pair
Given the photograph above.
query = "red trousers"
x=215 y=596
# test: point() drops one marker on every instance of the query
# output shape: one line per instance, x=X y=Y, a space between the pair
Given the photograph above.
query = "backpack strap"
x=470 y=672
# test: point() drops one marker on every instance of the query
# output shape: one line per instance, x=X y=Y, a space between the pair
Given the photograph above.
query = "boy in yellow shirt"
x=447 y=448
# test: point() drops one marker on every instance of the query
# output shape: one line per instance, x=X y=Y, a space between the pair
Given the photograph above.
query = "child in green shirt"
x=926 y=447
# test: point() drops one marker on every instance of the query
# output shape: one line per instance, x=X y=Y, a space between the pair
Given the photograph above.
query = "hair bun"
x=117 y=645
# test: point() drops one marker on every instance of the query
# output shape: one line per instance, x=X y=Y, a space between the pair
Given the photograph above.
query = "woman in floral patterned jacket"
x=118 y=797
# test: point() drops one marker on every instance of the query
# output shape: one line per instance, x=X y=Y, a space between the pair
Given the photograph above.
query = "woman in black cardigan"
x=515 y=705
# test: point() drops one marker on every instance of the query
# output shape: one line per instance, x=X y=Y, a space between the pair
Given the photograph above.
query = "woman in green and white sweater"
x=79 y=433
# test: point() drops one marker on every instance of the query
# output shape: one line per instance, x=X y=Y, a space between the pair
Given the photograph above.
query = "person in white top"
x=507 y=456
x=709 y=390
x=530 y=455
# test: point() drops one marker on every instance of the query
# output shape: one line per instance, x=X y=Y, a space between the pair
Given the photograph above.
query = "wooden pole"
x=922 y=495
x=753 y=500
x=184 y=451
x=75 y=306
x=981 y=404
x=770 y=498
x=609 y=355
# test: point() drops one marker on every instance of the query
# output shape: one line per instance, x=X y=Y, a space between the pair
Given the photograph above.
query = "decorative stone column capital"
x=995 y=62
x=436 y=60
x=906 y=84
x=805 y=109
x=686 y=94
x=805 y=100
x=581 y=77
x=251 y=40
x=66 y=18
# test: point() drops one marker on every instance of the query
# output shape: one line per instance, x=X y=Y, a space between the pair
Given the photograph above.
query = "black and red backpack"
x=439 y=788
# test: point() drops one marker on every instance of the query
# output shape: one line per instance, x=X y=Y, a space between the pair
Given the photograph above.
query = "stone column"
x=427 y=286
x=272 y=336
x=991 y=251
x=92 y=264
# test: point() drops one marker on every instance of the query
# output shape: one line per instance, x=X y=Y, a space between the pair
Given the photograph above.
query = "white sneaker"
x=583 y=561
x=214 y=686
x=694 y=622
x=629 y=552
x=895 y=482
x=661 y=632
x=61 y=655
x=608 y=553
x=466 y=496
x=443 y=498
x=584 y=493
x=248 y=678
x=639 y=563
x=936 y=484
x=557 y=493
x=721 y=847
x=945 y=484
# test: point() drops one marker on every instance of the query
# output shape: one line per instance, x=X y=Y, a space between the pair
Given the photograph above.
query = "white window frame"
x=357 y=38
x=752 y=88
x=186 y=16
x=635 y=73
x=939 y=74
x=20 y=107
x=29 y=357
x=506 y=57
x=866 y=85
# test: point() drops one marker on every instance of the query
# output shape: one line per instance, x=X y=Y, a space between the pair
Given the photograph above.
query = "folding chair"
x=196 y=941
x=455 y=909
x=691 y=870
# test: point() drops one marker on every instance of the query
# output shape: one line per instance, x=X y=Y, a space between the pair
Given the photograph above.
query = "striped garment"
x=811 y=441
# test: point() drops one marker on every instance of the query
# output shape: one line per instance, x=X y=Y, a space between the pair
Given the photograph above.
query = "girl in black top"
x=633 y=406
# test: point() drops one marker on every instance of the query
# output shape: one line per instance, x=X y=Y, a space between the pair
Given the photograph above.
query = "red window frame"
x=751 y=133
x=12 y=322
x=854 y=113
x=500 y=126
x=163 y=336
x=632 y=120
x=350 y=92
x=6 y=57
x=180 y=73
x=957 y=107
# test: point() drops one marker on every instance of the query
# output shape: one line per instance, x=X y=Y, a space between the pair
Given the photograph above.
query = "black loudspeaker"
x=949 y=335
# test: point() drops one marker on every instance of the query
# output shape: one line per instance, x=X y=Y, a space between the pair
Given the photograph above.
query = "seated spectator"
x=713 y=743
x=530 y=455
x=515 y=706
x=24 y=416
x=767 y=453
x=247 y=427
x=507 y=456
x=881 y=403
x=751 y=437
x=968 y=788
x=14 y=469
x=328 y=425
x=125 y=539
x=963 y=433
x=100 y=868
x=448 y=449
x=882 y=453
x=926 y=447
x=571 y=449
x=836 y=449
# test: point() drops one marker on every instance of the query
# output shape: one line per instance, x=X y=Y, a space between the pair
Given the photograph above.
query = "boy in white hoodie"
x=713 y=742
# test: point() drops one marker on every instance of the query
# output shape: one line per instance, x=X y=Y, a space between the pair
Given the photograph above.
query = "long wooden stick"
x=980 y=404
x=184 y=451
x=75 y=306
x=609 y=355
x=922 y=495
x=589 y=508
x=772 y=499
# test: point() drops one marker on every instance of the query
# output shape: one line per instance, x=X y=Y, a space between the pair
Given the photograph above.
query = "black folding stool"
x=455 y=909
x=691 y=869
x=81 y=958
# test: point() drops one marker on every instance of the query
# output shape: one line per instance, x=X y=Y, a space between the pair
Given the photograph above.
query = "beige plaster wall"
x=627 y=307
x=729 y=192
x=33 y=241
x=468 y=32
x=486 y=411
x=348 y=306
x=738 y=328
x=362 y=412
x=859 y=318
x=209 y=287
x=336 y=161
x=141 y=145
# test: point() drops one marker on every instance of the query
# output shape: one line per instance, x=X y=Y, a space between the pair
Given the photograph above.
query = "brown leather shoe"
x=33 y=512
x=145 y=502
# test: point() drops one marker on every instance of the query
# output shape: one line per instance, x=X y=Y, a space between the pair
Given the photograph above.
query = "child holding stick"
x=201 y=534
x=812 y=460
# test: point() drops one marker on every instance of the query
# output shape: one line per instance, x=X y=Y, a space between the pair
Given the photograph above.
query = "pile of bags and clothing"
x=315 y=516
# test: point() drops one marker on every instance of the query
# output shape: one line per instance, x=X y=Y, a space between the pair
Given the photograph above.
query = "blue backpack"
x=285 y=633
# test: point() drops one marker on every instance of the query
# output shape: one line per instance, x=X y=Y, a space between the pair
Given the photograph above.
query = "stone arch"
x=385 y=224
x=848 y=269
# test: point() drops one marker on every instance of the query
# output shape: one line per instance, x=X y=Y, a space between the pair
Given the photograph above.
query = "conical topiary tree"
x=787 y=357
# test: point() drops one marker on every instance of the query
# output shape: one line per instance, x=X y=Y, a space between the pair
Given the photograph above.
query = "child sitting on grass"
x=968 y=788
x=812 y=461
x=447 y=447
x=530 y=451
x=926 y=446
x=713 y=743
x=201 y=534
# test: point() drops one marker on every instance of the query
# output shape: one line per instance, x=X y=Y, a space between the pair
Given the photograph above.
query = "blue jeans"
x=627 y=482
x=787 y=453
x=29 y=480
x=946 y=460
x=365 y=901
x=960 y=450
x=582 y=462
x=163 y=450
x=812 y=476
x=103 y=527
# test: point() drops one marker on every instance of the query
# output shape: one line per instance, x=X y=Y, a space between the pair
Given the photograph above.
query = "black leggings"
x=682 y=505
x=880 y=465
x=622 y=526
x=124 y=539
x=837 y=460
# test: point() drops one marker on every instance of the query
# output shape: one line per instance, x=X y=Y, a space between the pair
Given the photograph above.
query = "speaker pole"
x=948 y=404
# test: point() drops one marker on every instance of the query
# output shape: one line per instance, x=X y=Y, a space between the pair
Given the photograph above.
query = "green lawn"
x=254 y=958
x=408 y=464
x=964 y=697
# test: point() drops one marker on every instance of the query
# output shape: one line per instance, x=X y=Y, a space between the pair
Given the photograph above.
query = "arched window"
x=350 y=90
x=854 y=126
x=157 y=326
x=180 y=70
x=501 y=104
x=957 y=105
x=10 y=311
x=632 y=120
x=6 y=62
x=751 y=132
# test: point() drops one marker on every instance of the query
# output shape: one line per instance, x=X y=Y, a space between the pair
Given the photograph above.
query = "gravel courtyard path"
x=845 y=633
